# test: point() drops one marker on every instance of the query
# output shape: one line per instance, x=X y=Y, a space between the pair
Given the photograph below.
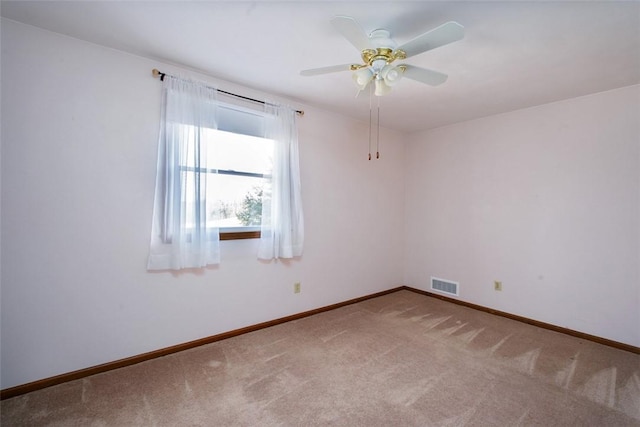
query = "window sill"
x=237 y=235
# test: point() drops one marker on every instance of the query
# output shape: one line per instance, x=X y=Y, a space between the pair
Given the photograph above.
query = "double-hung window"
x=238 y=171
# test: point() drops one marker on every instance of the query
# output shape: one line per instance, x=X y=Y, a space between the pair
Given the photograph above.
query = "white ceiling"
x=514 y=54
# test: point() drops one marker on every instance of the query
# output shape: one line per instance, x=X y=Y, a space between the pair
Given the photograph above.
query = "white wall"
x=79 y=137
x=547 y=200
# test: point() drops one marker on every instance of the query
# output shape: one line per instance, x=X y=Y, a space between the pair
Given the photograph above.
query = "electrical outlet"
x=497 y=285
x=296 y=288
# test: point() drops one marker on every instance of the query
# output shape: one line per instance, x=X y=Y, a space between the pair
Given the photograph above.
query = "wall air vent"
x=444 y=286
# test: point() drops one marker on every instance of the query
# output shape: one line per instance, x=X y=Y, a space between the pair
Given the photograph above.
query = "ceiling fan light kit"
x=391 y=74
x=362 y=77
x=381 y=88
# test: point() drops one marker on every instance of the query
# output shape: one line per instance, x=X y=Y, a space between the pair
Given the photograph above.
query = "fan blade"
x=352 y=31
x=439 y=36
x=422 y=75
x=326 y=70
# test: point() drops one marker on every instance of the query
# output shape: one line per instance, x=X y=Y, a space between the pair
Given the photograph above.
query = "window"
x=238 y=170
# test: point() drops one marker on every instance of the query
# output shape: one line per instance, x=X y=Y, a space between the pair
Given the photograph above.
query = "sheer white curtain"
x=282 y=231
x=180 y=236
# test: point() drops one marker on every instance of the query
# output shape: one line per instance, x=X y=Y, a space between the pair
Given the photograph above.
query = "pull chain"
x=378 y=132
x=370 y=125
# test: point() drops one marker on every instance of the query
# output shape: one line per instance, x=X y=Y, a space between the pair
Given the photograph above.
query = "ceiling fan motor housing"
x=380 y=56
x=382 y=38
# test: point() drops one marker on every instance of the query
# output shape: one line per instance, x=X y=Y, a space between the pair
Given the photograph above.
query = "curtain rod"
x=158 y=73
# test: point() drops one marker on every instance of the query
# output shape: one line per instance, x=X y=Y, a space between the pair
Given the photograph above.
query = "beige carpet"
x=403 y=359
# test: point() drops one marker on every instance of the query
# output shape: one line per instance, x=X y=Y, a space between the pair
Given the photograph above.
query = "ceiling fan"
x=378 y=52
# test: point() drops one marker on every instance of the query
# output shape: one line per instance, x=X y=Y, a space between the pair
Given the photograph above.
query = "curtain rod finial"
x=157 y=73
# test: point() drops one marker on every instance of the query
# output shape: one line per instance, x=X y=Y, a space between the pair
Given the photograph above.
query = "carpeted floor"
x=403 y=359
